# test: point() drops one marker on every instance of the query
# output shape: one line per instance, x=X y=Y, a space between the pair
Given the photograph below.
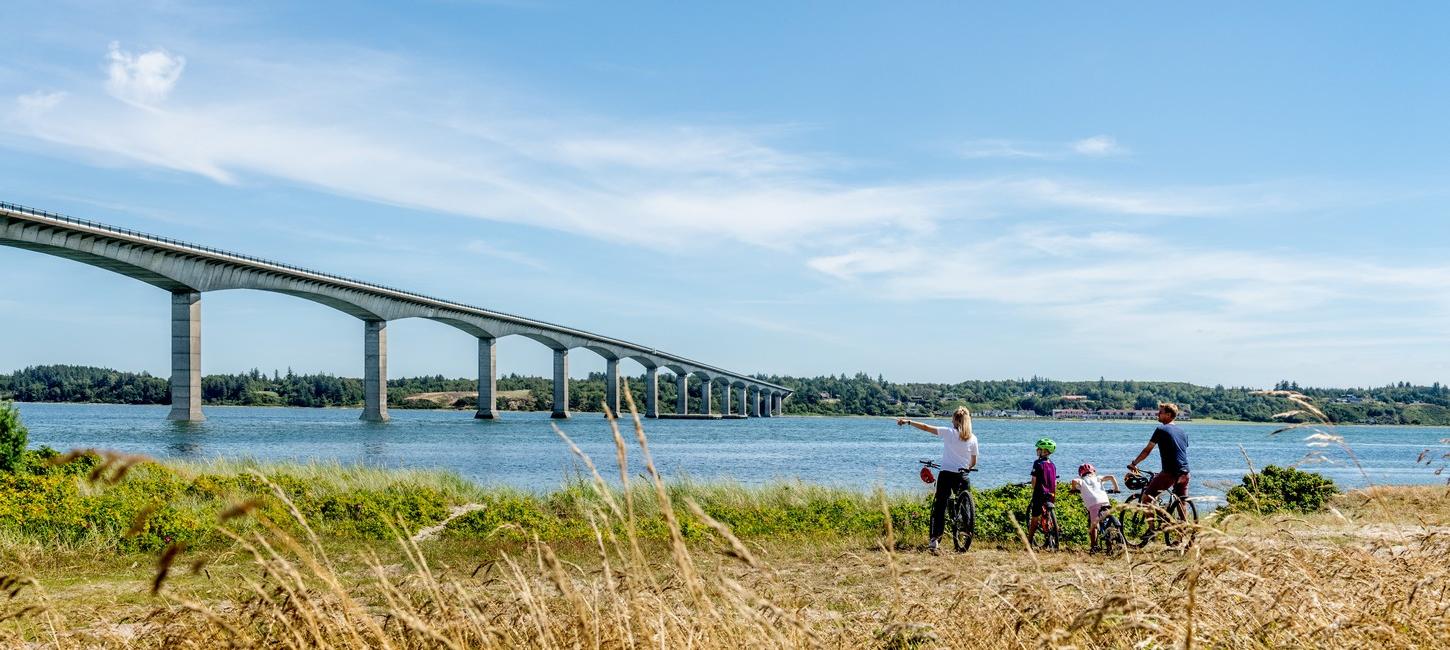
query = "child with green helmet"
x=1044 y=486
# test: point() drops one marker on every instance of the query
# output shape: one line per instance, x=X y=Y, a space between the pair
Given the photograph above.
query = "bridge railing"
x=216 y=251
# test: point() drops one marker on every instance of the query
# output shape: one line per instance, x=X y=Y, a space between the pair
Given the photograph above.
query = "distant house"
x=1074 y=398
x=1071 y=414
x=1348 y=398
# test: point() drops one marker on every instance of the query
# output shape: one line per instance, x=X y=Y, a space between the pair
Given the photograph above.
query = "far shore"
x=1192 y=422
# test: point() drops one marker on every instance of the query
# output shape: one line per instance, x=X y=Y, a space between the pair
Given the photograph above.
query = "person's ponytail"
x=962 y=420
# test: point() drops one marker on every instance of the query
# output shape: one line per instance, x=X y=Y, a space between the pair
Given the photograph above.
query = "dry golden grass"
x=1372 y=572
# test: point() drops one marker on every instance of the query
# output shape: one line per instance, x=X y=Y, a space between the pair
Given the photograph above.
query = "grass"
x=698 y=565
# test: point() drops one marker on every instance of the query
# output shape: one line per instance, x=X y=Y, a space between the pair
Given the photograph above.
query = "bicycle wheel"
x=1140 y=523
x=964 y=521
x=1050 y=539
x=1111 y=537
x=1180 y=518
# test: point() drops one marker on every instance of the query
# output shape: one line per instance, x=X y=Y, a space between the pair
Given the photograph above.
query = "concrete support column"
x=682 y=394
x=186 y=357
x=487 y=381
x=705 y=402
x=769 y=399
x=611 y=385
x=755 y=402
x=652 y=392
x=375 y=371
x=745 y=401
x=779 y=404
x=725 y=398
x=561 y=384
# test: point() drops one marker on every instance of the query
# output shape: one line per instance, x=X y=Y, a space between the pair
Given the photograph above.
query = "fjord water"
x=521 y=449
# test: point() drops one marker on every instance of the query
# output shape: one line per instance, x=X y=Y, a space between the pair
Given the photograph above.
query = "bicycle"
x=1049 y=531
x=1111 y=539
x=1175 y=518
x=1051 y=534
x=961 y=511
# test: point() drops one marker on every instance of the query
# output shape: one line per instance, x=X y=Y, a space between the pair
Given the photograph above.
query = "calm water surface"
x=521 y=450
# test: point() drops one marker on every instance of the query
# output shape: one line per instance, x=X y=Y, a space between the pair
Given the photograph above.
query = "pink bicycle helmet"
x=1085 y=469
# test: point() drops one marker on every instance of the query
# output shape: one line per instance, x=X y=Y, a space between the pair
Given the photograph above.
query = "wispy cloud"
x=1127 y=289
x=423 y=142
x=1098 y=146
x=486 y=249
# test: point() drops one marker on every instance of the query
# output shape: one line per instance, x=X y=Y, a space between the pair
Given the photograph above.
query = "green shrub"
x=13 y=438
x=1278 y=489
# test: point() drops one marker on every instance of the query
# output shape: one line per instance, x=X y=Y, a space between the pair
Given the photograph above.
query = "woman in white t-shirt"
x=959 y=453
x=1094 y=497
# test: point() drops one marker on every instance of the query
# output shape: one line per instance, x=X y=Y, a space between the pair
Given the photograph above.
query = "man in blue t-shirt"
x=1172 y=443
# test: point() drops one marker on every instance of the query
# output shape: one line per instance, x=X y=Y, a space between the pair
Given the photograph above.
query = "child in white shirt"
x=1094 y=497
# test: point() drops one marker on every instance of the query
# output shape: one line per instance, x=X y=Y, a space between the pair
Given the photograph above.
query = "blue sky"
x=1230 y=194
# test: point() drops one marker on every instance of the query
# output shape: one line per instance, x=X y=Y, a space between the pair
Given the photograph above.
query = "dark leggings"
x=945 y=483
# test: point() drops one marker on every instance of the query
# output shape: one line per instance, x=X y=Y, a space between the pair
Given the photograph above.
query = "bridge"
x=188 y=270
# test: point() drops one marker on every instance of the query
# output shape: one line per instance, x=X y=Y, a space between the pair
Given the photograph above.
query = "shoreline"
x=1192 y=422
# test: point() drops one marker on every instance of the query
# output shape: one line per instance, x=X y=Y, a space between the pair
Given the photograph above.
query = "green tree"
x=13 y=437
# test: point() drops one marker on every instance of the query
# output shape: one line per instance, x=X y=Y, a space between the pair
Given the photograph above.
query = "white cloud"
x=486 y=249
x=36 y=104
x=1128 y=292
x=1098 y=145
x=143 y=79
x=379 y=129
x=1000 y=149
x=1095 y=146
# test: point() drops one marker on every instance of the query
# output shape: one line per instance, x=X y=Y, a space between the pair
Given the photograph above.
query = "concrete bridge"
x=188 y=271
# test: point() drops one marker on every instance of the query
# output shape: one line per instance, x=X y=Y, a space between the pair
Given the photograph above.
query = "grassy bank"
x=123 y=504
x=1370 y=570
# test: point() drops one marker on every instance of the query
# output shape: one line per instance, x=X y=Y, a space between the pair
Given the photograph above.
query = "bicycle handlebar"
x=933 y=464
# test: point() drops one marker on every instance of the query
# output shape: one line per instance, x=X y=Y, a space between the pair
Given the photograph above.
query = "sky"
x=1234 y=193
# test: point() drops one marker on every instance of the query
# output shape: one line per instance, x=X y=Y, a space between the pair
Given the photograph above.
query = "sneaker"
x=934 y=546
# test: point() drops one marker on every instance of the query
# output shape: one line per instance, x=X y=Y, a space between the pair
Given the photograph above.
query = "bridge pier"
x=375 y=371
x=611 y=385
x=487 y=380
x=186 y=357
x=705 y=389
x=725 y=398
x=755 y=402
x=682 y=394
x=745 y=401
x=779 y=404
x=767 y=398
x=651 y=392
x=561 y=385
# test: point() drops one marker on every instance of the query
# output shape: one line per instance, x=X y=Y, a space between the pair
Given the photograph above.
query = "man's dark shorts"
x=1039 y=506
x=1165 y=480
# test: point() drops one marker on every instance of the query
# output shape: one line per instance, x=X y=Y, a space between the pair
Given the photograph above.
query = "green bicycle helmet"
x=1048 y=444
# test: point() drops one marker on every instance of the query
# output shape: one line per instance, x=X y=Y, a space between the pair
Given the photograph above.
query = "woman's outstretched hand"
x=901 y=421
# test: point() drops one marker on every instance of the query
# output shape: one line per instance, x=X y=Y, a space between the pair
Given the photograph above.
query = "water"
x=521 y=450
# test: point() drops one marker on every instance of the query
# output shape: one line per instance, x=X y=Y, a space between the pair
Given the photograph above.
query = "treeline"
x=86 y=384
x=1401 y=403
x=860 y=394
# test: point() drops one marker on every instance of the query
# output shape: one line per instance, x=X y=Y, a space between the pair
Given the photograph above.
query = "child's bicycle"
x=1049 y=535
x=1111 y=539
x=1167 y=515
x=961 y=514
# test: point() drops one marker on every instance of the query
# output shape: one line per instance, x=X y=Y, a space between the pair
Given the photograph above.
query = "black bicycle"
x=1111 y=539
x=1167 y=515
x=961 y=514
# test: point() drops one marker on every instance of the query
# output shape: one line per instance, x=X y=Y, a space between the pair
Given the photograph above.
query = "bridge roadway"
x=188 y=271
